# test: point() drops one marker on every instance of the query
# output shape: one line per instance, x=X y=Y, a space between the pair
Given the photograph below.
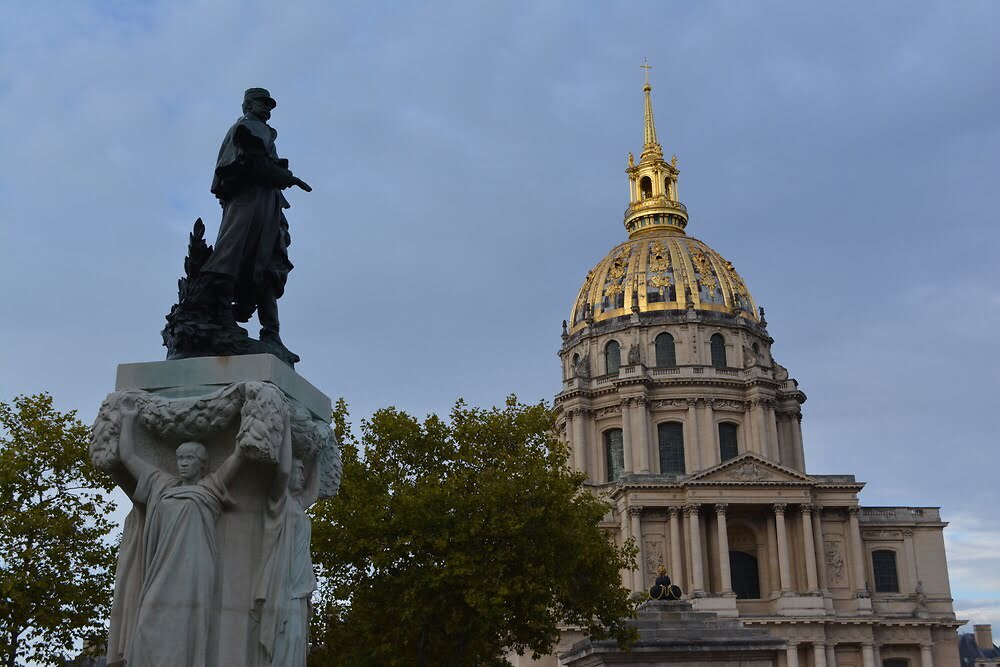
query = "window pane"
x=671 y=437
x=615 y=451
x=612 y=357
x=728 y=445
x=718 y=351
x=884 y=569
x=665 y=353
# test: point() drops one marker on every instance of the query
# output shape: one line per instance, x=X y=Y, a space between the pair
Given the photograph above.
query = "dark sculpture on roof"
x=247 y=269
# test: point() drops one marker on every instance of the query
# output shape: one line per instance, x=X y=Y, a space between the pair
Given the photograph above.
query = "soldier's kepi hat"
x=259 y=94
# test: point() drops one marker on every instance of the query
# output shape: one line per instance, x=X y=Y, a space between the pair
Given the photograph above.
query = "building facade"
x=678 y=413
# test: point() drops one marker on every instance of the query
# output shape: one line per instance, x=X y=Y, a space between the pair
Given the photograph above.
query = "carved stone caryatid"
x=178 y=586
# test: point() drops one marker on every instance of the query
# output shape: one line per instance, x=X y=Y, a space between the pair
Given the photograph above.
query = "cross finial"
x=646 y=66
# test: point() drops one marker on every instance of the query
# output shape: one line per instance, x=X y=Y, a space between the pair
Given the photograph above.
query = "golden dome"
x=660 y=271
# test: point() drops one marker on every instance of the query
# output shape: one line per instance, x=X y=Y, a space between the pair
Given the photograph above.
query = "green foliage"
x=56 y=566
x=451 y=543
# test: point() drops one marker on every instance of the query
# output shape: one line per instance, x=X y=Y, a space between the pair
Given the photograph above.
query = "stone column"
x=627 y=434
x=580 y=442
x=857 y=554
x=725 y=574
x=688 y=567
x=764 y=447
x=771 y=427
x=818 y=548
x=926 y=656
x=809 y=548
x=773 y=581
x=868 y=655
x=819 y=654
x=752 y=432
x=692 y=449
x=831 y=655
x=792 y=655
x=795 y=426
x=626 y=574
x=640 y=426
x=708 y=440
x=634 y=515
x=784 y=571
x=676 y=572
x=697 y=569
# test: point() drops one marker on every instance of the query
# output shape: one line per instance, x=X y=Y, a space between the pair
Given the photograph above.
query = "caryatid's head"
x=192 y=461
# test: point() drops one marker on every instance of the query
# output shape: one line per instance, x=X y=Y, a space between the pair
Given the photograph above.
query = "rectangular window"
x=728 y=445
x=884 y=571
x=615 y=450
x=671 y=439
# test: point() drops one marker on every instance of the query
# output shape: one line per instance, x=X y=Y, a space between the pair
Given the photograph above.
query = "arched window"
x=665 y=353
x=896 y=662
x=645 y=187
x=745 y=575
x=612 y=357
x=671 y=439
x=614 y=451
x=728 y=442
x=666 y=188
x=885 y=572
x=719 y=351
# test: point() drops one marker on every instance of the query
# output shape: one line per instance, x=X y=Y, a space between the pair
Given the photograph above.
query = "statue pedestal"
x=245 y=412
x=183 y=378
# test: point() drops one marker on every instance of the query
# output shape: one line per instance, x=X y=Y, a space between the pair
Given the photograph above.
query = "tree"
x=452 y=543
x=56 y=565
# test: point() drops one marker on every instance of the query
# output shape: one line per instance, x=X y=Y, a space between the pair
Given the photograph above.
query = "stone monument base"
x=248 y=413
x=672 y=634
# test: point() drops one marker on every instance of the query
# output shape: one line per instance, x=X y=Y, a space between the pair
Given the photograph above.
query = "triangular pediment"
x=750 y=468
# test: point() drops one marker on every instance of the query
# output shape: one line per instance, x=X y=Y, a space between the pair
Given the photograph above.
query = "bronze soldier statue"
x=248 y=268
x=251 y=251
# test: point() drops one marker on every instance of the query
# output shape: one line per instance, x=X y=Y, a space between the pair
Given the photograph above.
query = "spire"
x=651 y=147
x=649 y=136
x=653 y=202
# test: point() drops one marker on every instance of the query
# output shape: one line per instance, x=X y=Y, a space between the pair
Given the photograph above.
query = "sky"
x=467 y=160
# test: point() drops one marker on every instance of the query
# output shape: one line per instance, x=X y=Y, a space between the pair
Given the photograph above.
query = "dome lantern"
x=653 y=200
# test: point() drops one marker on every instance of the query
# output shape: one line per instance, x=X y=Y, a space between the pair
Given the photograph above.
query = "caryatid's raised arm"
x=126 y=441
